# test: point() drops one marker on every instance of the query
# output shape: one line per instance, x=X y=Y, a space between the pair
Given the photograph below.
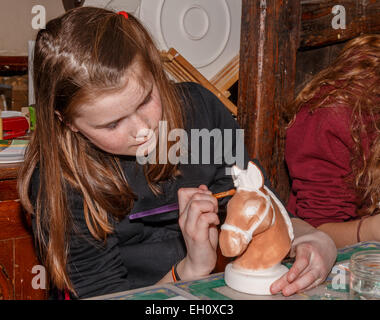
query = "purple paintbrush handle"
x=151 y=212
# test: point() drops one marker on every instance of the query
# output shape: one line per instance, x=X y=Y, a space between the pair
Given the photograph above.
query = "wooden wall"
x=283 y=44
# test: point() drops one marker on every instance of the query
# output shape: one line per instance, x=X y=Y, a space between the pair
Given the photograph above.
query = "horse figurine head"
x=257 y=229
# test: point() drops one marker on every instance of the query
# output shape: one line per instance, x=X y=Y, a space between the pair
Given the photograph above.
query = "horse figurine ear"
x=251 y=179
x=255 y=176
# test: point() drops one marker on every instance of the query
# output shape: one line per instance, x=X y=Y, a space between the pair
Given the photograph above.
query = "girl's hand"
x=315 y=256
x=198 y=219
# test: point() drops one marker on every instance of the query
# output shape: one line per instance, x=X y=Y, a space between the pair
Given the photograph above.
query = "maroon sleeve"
x=317 y=153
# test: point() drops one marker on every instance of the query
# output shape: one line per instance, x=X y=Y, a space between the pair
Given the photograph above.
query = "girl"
x=101 y=94
x=333 y=148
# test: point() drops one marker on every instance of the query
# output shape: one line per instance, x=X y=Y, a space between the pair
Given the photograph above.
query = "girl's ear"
x=70 y=125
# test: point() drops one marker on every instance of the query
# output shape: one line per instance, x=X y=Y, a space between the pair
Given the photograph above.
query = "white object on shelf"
x=10 y=114
x=13 y=159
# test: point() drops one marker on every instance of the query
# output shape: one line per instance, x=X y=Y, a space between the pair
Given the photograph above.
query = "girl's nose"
x=143 y=134
x=140 y=128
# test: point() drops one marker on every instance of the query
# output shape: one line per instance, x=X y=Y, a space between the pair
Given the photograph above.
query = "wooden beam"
x=362 y=16
x=183 y=70
x=13 y=64
x=269 y=42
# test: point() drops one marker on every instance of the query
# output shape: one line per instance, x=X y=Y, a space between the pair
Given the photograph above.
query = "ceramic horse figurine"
x=257 y=231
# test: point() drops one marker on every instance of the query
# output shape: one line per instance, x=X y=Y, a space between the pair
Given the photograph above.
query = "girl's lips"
x=141 y=143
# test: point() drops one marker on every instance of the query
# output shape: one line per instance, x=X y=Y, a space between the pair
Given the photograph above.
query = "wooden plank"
x=311 y=62
x=6 y=289
x=25 y=260
x=227 y=76
x=16 y=64
x=184 y=69
x=13 y=222
x=362 y=16
x=8 y=190
x=6 y=269
x=8 y=170
x=269 y=42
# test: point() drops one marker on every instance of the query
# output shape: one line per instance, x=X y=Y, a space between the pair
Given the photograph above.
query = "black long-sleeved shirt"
x=140 y=252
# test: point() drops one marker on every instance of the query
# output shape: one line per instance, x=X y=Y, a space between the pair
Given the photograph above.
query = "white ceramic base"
x=253 y=282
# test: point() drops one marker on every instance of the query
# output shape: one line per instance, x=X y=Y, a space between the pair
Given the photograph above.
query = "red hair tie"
x=123 y=13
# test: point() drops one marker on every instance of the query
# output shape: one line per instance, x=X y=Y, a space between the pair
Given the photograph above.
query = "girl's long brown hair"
x=353 y=80
x=85 y=52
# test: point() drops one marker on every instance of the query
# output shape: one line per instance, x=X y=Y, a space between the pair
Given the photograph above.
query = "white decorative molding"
x=204 y=32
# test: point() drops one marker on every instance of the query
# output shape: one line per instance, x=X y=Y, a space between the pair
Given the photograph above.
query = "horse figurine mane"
x=257 y=231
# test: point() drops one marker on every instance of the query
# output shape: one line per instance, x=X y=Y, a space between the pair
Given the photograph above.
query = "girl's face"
x=124 y=121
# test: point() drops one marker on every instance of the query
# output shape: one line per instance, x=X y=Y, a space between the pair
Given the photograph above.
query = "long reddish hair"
x=353 y=80
x=86 y=51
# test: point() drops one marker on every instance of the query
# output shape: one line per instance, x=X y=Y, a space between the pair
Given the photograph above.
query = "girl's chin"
x=144 y=152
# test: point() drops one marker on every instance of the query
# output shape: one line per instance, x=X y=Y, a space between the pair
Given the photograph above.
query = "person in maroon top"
x=333 y=149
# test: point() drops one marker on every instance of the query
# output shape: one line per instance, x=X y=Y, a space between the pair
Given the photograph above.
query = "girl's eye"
x=112 y=125
x=147 y=99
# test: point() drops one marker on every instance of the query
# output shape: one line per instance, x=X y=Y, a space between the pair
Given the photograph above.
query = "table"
x=213 y=287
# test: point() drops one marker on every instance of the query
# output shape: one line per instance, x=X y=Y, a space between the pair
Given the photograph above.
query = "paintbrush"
x=174 y=206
